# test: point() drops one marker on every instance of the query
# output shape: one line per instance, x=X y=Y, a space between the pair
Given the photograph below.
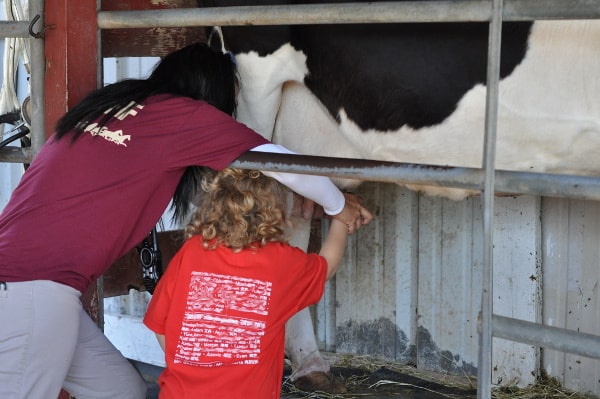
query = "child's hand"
x=354 y=215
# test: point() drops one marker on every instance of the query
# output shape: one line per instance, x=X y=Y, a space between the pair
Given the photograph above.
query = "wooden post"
x=71 y=46
x=71 y=55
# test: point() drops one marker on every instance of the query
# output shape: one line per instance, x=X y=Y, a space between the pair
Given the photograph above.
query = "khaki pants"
x=48 y=342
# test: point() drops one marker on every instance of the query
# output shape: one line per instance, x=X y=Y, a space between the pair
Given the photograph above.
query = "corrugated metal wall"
x=571 y=266
x=410 y=288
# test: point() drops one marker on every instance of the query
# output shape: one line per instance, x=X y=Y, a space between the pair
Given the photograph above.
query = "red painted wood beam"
x=151 y=41
x=71 y=55
x=71 y=46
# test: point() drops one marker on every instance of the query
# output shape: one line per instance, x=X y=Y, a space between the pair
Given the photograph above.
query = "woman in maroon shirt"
x=94 y=191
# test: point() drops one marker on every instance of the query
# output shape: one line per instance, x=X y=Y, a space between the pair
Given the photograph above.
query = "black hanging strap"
x=151 y=261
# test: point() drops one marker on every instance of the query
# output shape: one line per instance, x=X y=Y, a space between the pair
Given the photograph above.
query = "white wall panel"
x=517 y=275
x=376 y=285
x=571 y=240
x=449 y=281
x=414 y=292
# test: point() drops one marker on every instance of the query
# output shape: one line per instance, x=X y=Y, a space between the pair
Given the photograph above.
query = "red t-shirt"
x=223 y=316
x=80 y=206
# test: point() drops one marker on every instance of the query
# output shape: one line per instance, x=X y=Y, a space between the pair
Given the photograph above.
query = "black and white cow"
x=415 y=93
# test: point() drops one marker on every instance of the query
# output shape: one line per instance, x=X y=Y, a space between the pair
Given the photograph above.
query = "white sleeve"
x=317 y=188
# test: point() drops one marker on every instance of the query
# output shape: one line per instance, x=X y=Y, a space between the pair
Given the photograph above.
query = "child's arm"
x=334 y=246
x=161 y=341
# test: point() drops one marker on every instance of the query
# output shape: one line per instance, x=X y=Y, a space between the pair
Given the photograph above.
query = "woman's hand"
x=354 y=215
x=306 y=208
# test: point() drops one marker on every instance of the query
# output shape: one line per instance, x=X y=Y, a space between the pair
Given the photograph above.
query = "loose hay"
x=366 y=377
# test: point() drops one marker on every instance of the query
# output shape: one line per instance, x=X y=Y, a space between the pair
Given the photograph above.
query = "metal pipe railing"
x=561 y=339
x=346 y=13
x=38 y=78
x=484 y=365
x=14 y=154
x=506 y=182
x=14 y=29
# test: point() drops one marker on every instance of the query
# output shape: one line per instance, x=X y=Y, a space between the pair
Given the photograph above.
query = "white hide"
x=548 y=121
x=261 y=79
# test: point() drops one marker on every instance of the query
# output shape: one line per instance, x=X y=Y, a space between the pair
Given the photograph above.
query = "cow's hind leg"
x=310 y=371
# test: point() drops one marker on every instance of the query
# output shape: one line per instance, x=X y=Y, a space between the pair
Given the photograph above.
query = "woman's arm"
x=317 y=188
x=320 y=189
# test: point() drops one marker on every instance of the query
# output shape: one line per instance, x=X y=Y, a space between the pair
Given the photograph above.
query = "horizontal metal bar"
x=506 y=182
x=529 y=10
x=13 y=154
x=298 y=14
x=14 y=29
x=350 y=13
x=583 y=344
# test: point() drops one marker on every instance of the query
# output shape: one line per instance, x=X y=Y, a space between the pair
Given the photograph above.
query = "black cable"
x=10 y=117
x=22 y=132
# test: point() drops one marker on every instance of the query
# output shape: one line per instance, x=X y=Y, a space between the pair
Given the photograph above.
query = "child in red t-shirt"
x=220 y=309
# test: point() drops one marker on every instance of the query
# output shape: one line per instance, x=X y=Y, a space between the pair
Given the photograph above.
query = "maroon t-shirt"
x=80 y=206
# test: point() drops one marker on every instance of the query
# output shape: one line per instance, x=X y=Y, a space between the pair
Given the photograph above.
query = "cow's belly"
x=548 y=116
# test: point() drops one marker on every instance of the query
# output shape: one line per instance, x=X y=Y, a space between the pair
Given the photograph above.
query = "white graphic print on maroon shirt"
x=115 y=136
x=224 y=320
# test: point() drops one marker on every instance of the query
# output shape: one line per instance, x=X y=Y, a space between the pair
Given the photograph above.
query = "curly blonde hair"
x=239 y=209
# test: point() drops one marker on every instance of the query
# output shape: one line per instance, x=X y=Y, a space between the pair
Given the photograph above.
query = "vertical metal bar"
x=484 y=367
x=38 y=67
x=99 y=83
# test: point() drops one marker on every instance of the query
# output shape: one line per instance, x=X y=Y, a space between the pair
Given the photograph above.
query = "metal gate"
x=486 y=179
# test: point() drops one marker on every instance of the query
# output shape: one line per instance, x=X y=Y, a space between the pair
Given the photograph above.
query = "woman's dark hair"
x=195 y=71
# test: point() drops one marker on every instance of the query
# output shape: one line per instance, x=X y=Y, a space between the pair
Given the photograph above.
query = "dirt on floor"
x=382 y=383
x=368 y=379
